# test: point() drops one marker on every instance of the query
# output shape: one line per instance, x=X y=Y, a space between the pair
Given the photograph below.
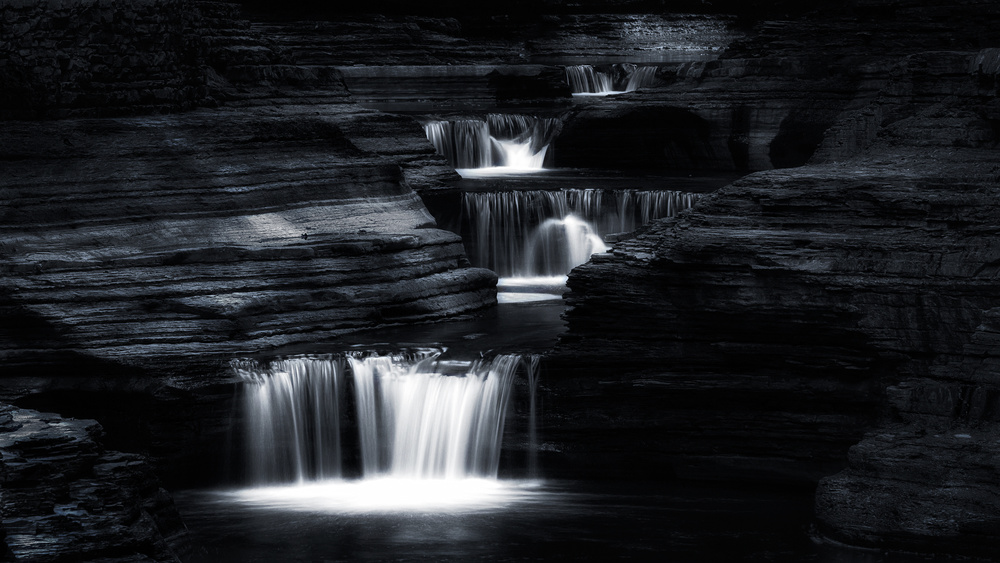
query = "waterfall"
x=496 y=144
x=416 y=417
x=293 y=432
x=465 y=143
x=560 y=244
x=536 y=233
x=585 y=80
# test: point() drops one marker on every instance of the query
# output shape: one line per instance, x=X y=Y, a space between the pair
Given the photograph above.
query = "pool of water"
x=509 y=521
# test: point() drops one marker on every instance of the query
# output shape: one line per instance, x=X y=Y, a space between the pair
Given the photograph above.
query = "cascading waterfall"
x=496 y=144
x=413 y=420
x=293 y=433
x=537 y=233
x=640 y=78
x=585 y=80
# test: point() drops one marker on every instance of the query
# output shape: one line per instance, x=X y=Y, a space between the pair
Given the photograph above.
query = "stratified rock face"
x=927 y=478
x=65 y=498
x=776 y=311
x=217 y=232
x=535 y=38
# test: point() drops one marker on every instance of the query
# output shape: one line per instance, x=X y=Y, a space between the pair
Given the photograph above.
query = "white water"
x=294 y=432
x=532 y=234
x=495 y=145
x=560 y=244
x=418 y=419
x=418 y=424
x=585 y=80
x=389 y=495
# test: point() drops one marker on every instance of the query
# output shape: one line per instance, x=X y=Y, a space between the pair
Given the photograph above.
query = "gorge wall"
x=811 y=303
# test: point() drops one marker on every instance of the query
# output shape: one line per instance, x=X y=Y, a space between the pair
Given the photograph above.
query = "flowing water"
x=433 y=455
x=533 y=238
x=417 y=416
x=586 y=80
x=494 y=144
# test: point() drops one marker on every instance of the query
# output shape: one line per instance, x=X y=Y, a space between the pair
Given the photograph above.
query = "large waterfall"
x=538 y=233
x=585 y=80
x=495 y=144
x=416 y=417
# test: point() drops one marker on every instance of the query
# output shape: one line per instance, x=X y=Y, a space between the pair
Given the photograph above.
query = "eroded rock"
x=65 y=497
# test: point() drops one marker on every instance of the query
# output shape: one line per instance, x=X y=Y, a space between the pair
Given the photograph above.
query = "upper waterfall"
x=496 y=144
x=586 y=80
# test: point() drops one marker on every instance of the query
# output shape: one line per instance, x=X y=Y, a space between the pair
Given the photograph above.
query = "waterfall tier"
x=534 y=234
x=498 y=143
x=585 y=80
x=416 y=417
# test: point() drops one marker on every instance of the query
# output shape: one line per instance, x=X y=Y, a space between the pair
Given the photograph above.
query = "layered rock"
x=218 y=232
x=67 y=498
x=789 y=312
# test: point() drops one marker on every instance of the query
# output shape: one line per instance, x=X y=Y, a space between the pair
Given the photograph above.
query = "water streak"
x=294 y=431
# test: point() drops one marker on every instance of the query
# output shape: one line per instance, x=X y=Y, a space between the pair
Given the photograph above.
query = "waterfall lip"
x=385 y=495
x=530 y=289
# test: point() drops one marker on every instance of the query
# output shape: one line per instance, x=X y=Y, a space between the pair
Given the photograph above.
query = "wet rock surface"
x=67 y=498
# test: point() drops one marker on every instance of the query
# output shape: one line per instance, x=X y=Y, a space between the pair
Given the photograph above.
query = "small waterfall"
x=559 y=245
x=641 y=77
x=293 y=433
x=585 y=80
x=414 y=421
x=498 y=143
x=465 y=143
x=535 y=233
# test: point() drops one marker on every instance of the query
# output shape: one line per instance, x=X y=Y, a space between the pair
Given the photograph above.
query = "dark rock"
x=147 y=241
x=786 y=314
x=65 y=498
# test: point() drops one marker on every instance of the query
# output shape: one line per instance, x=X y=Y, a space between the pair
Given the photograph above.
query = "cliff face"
x=789 y=312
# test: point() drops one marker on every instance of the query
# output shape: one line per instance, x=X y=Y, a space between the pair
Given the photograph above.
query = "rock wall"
x=792 y=312
x=207 y=234
x=65 y=58
x=67 y=498
x=141 y=253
